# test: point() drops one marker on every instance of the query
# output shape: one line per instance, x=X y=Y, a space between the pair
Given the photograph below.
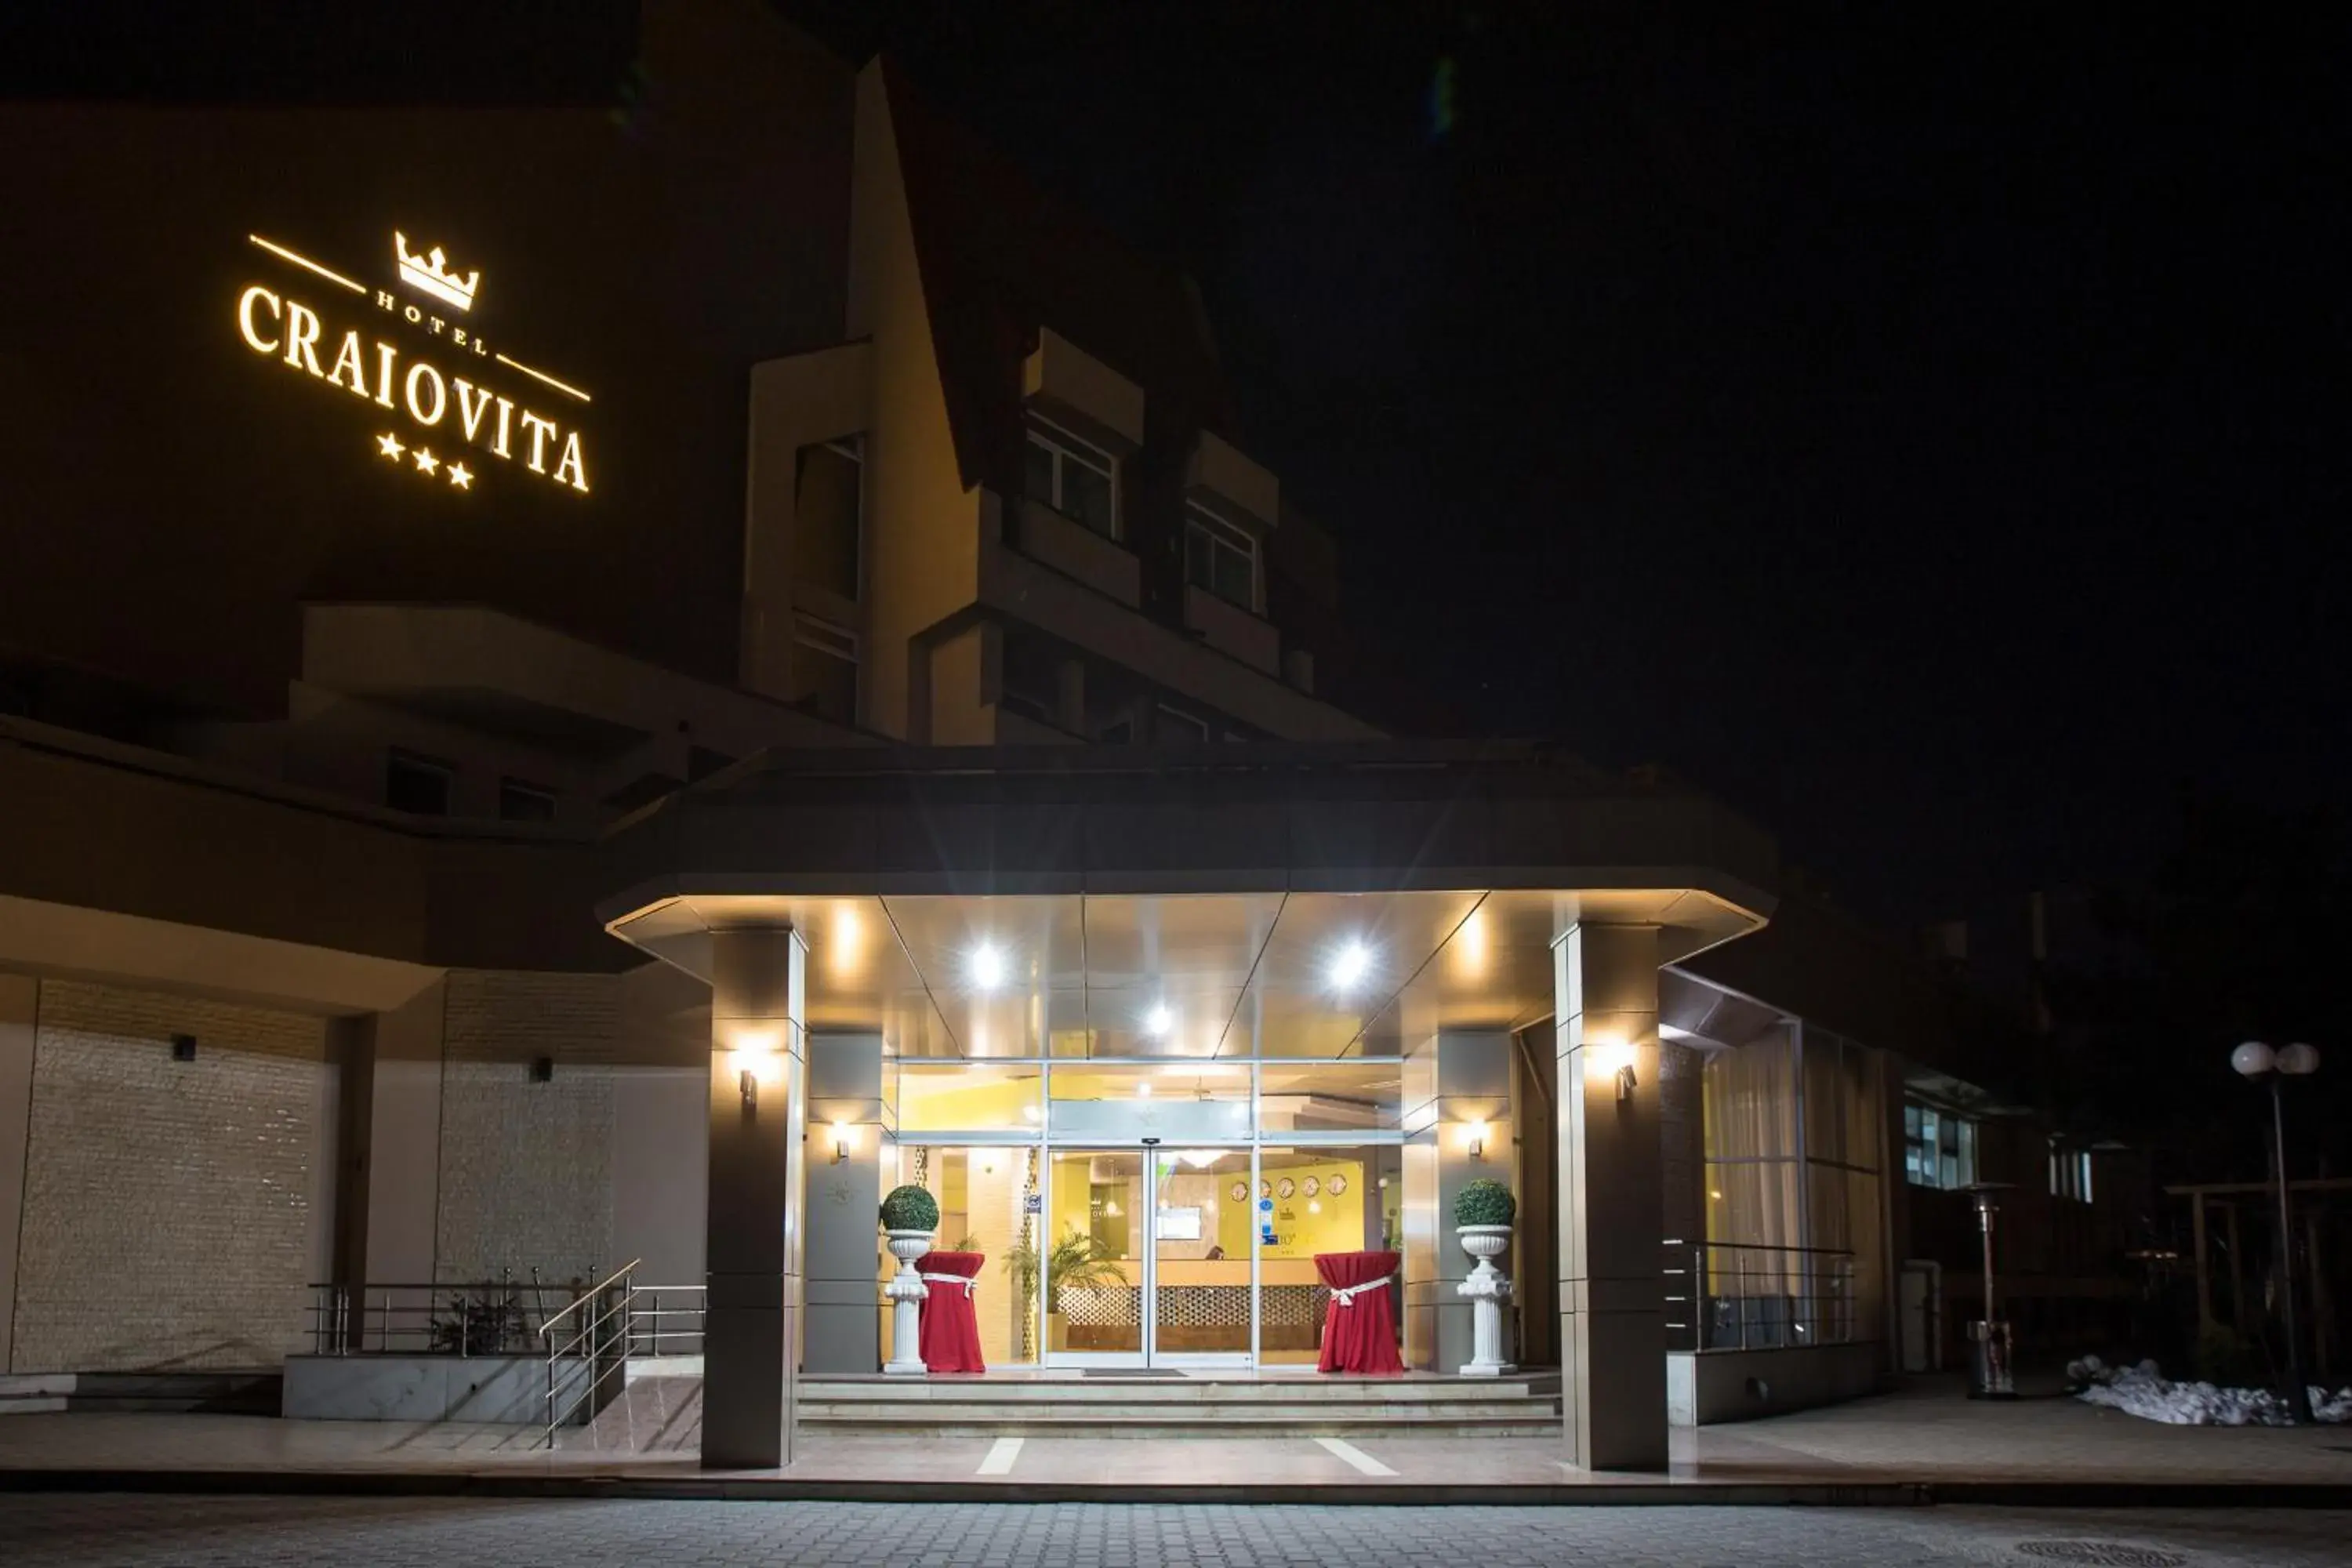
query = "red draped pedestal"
x=1360 y=1326
x=949 y=1336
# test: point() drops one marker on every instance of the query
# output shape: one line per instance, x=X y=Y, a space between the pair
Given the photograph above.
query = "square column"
x=846 y=1133
x=1457 y=1093
x=758 y=1112
x=1612 y=1319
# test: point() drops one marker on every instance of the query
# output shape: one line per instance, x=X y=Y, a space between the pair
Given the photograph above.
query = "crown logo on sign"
x=430 y=273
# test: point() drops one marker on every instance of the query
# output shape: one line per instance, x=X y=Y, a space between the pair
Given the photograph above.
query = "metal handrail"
x=604 y=1284
x=647 y=1340
x=344 y=1317
x=1811 y=1297
x=595 y=1349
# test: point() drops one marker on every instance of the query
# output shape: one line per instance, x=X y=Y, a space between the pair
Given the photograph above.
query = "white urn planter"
x=905 y=1291
x=1487 y=1287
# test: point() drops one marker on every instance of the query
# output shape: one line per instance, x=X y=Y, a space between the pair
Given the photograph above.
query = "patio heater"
x=1992 y=1345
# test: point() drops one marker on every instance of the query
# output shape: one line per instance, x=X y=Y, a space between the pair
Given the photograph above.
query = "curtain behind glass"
x=1749 y=1096
x=1754 y=1198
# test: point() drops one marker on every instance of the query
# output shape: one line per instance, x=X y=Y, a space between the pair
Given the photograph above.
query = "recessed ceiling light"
x=1158 y=1021
x=1349 y=965
x=988 y=966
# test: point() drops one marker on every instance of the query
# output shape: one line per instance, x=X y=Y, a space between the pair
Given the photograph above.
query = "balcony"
x=1077 y=551
x=1233 y=631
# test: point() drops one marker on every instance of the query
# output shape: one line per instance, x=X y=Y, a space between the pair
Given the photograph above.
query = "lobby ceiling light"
x=987 y=966
x=1349 y=965
x=1158 y=1021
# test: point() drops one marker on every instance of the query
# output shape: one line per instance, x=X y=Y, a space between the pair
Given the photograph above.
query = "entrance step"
x=1515 y=1406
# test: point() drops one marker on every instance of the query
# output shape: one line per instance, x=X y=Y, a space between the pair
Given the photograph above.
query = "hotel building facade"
x=588 y=687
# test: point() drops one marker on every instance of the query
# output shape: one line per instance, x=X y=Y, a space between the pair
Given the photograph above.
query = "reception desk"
x=1203 y=1306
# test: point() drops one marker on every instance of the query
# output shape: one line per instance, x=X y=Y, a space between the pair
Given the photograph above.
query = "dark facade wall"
x=169 y=847
x=648 y=256
x=1833 y=972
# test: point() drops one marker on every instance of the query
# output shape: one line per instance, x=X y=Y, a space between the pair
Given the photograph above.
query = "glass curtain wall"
x=1344 y=1198
x=983 y=1194
x=1792 y=1138
x=1258 y=1166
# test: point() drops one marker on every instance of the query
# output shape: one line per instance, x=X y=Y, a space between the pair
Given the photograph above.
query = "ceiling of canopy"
x=1303 y=975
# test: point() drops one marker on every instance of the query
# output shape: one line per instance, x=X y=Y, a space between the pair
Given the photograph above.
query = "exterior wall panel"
x=526 y=1168
x=172 y=1210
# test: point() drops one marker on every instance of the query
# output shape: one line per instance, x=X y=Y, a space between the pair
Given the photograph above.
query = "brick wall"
x=526 y=1169
x=171 y=1209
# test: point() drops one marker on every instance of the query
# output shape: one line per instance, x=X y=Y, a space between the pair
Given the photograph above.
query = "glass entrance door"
x=1201 y=1231
x=1148 y=1257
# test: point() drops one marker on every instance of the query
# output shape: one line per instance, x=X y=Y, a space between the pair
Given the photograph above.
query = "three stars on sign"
x=426 y=463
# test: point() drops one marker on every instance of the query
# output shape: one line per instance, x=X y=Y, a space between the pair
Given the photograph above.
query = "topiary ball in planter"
x=1485 y=1202
x=910 y=1208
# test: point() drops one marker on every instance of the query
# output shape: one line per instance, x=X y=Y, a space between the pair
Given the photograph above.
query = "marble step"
x=1177 y=1392
x=1181 y=1415
x=1158 y=1424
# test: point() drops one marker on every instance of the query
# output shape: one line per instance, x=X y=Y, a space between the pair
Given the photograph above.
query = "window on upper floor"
x=828 y=510
x=1219 y=557
x=416 y=783
x=2069 y=1173
x=824 y=669
x=1939 y=1149
x=1073 y=476
x=520 y=802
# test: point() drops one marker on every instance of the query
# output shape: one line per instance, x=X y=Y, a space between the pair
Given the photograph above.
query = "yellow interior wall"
x=942 y=1102
x=1339 y=1227
x=1068 y=1204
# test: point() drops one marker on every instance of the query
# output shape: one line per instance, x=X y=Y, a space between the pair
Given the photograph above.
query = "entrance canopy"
x=1249 y=901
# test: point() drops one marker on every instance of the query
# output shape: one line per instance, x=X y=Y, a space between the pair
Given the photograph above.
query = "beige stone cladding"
x=526 y=1178
x=172 y=1210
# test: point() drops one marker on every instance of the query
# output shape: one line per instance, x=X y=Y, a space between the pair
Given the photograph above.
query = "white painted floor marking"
x=1001 y=1455
x=1356 y=1456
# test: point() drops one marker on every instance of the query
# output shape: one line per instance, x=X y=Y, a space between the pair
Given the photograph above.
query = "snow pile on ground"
x=2144 y=1392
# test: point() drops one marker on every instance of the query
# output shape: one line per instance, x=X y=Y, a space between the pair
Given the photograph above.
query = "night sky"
x=1925 y=432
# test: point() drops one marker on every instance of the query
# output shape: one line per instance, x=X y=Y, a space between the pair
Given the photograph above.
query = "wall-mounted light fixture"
x=1613 y=1059
x=749 y=1083
x=841 y=1140
x=1477 y=1132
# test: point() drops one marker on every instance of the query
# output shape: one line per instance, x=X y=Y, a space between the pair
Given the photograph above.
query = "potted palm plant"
x=1076 y=1258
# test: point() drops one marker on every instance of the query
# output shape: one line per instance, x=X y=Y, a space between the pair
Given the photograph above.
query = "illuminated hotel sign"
x=437 y=391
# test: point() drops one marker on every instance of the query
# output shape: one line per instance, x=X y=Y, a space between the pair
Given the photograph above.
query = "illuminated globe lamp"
x=2257 y=1061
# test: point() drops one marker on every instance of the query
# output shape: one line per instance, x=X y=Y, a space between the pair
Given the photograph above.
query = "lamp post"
x=2258 y=1061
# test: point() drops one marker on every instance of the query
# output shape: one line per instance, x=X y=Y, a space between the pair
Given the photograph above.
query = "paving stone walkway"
x=38 y=1532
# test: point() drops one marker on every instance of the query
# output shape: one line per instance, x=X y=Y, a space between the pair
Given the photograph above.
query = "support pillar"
x=758 y=1112
x=1612 y=1321
x=1458 y=1100
x=842 y=1333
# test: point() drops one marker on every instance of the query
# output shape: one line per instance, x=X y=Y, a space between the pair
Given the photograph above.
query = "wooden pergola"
x=2200 y=1194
